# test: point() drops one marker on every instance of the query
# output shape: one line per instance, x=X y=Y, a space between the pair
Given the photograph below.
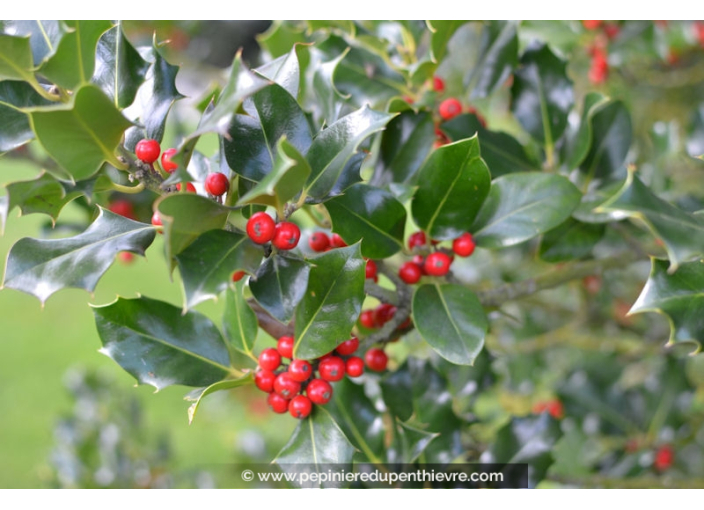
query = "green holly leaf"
x=158 y=345
x=16 y=59
x=452 y=185
x=280 y=284
x=239 y=321
x=44 y=36
x=74 y=59
x=498 y=56
x=409 y=444
x=681 y=233
x=119 y=68
x=83 y=134
x=679 y=297
x=287 y=70
x=521 y=206
x=185 y=217
x=280 y=38
x=450 y=318
x=542 y=95
x=15 y=129
x=442 y=31
x=198 y=395
x=570 y=241
x=43 y=195
x=332 y=149
x=405 y=145
x=332 y=302
x=397 y=392
x=321 y=95
x=372 y=216
x=42 y=267
x=317 y=441
x=206 y=265
x=502 y=153
x=578 y=140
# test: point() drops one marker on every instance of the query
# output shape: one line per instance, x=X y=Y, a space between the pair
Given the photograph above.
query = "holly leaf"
x=679 y=297
x=280 y=38
x=41 y=195
x=332 y=148
x=452 y=185
x=15 y=129
x=370 y=215
x=206 y=265
x=119 y=68
x=16 y=59
x=450 y=318
x=316 y=441
x=41 y=267
x=198 y=395
x=498 y=56
x=44 y=36
x=286 y=69
x=74 y=60
x=332 y=302
x=397 y=392
x=578 y=140
x=321 y=95
x=409 y=444
x=521 y=206
x=542 y=95
x=681 y=233
x=280 y=284
x=570 y=241
x=442 y=31
x=239 y=321
x=158 y=345
x=83 y=134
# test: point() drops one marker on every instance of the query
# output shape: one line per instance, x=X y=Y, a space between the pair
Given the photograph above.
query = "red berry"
x=416 y=239
x=156 y=219
x=348 y=346
x=126 y=257
x=367 y=319
x=123 y=208
x=371 y=270
x=599 y=70
x=664 y=457
x=264 y=380
x=300 y=370
x=376 y=359
x=286 y=235
x=285 y=386
x=383 y=314
x=300 y=406
x=277 y=403
x=319 y=241
x=319 y=391
x=285 y=346
x=237 y=276
x=553 y=407
x=410 y=273
x=166 y=163
x=591 y=24
x=269 y=359
x=450 y=108
x=463 y=245
x=354 y=366
x=419 y=260
x=147 y=150
x=332 y=369
x=337 y=242
x=217 y=184
x=190 y=188
x=260 y=227
x=438 y=84
x=437 y=264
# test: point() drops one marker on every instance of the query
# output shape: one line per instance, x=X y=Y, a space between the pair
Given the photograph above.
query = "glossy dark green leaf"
x=578 y=140
x=335 y=146
x=588 y=210
x=332 y=302
x=521 y=206
x=371 y=215
x=16 y=59
x=502 y=153
x=227 y=384
x=322 y=97
x=498 y=56
x=570 y=241
x=239 y=321
x=81 y=135
x=681 y=233
x=280 y=284
x=442 y=31
x=452 y=185
x=678 y=296
x=41 y=195
x=287 y=70
x=409 y=444
x=405 y=145
x=119 y=69
x=42 y=267
x=158 y=345
x=397 y=392
x=246 y=149
x=206 y=265
x=356 y=415
x=350 y=174
x=542 y=94
x=317 y=441
x=526 y=440
x=185 y=217
x=44 y=36
x=450 y=318
x=612 y=134
x=15 y=129
x=74 y=60
x=280 y=38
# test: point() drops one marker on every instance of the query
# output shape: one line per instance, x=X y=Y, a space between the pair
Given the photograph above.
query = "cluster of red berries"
x=294 y=387
x=261 y=228
x=664 y=457
x=553 y=407
x=437 y=263
x=320 y=242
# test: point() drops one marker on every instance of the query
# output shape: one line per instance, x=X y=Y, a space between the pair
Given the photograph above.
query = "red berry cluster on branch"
x=261 y=228
x=436 y=263
x=320 y=242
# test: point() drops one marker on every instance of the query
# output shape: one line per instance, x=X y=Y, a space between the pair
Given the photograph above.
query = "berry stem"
x=132 y=190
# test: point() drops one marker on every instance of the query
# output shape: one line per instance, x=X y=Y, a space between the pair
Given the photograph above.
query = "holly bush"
x=488 y=215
